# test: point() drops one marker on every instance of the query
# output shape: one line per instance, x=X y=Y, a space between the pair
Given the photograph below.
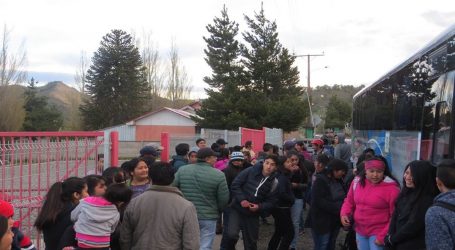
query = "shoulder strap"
x=445 y=205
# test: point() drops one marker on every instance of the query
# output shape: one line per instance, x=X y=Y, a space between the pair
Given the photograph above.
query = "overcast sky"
x=361 y=39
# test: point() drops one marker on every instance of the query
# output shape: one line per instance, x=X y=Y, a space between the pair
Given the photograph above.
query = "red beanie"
x=6 y=209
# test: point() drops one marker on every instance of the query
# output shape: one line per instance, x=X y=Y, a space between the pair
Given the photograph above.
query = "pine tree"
x=116 y=83
x=338 y=113
x=39 y=115
x=271 y=72
x=224 y=107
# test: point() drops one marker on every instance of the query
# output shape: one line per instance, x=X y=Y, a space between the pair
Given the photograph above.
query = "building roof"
x=177 y=111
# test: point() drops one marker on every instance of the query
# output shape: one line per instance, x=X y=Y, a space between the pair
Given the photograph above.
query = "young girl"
x=54 y=216
x=371 y=201
x=97 y=217
x=6 y=235
x=284 y=229
x=96 y=186
x=139 y=172
x=407 y=227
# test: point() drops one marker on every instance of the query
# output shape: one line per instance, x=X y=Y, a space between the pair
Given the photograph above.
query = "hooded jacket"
x=95 y=219
x=343 y=150
x=440 y=224
x=178 y=161
x=372 y=206
x=247 y=186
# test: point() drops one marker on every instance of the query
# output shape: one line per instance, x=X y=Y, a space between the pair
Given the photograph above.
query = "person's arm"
x=223 y=194
x=285 y=190
x=348 y=207
x=76 y=212
x=126 y=229
x=190 y=232
x=392 y=198
x=320 y=197
x=237 y=183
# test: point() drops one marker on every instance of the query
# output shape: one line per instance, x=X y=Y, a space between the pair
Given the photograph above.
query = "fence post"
x=165 y=142
x=114 y=148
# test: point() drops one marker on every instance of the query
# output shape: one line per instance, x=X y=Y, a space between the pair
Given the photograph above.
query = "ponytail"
x=56 y=198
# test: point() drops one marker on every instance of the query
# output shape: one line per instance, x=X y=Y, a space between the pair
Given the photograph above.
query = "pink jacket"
x=372 y=206
x=221 y=164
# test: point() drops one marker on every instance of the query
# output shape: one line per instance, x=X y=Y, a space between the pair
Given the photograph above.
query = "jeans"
x=367 y=243
x=207 y=229
x=250 y=230
x=296 y=212
x=284 y=230
x=325 y=241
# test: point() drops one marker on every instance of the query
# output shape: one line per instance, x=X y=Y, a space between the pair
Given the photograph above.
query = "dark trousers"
x=250 y=230
x=225 y=239
x=325 y=241
x=284 y=229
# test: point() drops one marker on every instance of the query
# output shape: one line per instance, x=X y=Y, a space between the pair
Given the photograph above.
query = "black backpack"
x=445 y=205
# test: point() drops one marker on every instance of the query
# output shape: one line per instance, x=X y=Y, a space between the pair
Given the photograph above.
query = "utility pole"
x=308 y=82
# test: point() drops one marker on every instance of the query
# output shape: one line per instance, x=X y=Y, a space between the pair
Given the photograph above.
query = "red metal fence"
x=30 y=162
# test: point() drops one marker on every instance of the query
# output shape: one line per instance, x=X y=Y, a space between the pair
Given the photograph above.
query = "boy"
x=440 y=218
x=20 y=241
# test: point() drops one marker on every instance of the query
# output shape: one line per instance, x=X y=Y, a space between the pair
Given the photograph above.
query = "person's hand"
x=245 y=203
x=377 y=242
x=345 y=221
x=295 y=184
x=254 y=207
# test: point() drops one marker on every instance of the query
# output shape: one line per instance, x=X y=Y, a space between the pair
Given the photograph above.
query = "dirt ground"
x=266 y=231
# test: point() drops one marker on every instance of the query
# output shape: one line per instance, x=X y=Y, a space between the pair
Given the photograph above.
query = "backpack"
x=445 y=205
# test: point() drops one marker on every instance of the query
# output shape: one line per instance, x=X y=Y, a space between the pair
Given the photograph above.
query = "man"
x=206 y=187
x=254 y=192
x=181 y=157
x=160 y=218
x=221 y=143
x=440 y=218
x=201 y=143
x=149 y=153
x=318 y=146
x=342 y=149
x=99 y=165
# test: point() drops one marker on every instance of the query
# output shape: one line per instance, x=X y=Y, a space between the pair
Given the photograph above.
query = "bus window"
x=442 y=132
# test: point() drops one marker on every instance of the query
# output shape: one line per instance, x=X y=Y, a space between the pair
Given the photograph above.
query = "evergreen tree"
x=116 y=83
x=224 y=107
x=338 y=113
x=270 y=71
x=39 y=115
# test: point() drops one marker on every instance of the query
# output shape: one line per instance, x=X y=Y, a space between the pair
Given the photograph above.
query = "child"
x=97 y=217
x=20 y=241
x=440 y=218
x=96 y=185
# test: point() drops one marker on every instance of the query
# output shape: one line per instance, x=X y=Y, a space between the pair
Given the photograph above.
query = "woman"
x=54 y=216
x=371 y=202
x=139 y=172
x=6 y=235
x=407 y=227
x=249 y=148
x=284 y=230
x=328 y=193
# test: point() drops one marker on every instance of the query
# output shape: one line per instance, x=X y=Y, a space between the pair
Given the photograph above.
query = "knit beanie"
x=237 y=156
x=6 y=209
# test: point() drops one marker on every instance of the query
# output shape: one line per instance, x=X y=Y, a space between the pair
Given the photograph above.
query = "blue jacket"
x=440 y=224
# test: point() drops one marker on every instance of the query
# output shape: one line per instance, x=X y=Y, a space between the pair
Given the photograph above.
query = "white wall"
x=166 y=118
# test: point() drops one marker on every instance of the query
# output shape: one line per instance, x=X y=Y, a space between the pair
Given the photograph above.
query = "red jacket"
x=372 y=206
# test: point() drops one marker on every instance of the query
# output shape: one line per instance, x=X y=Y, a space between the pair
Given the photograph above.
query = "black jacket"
x=246 y=185
x=407 y=226
x=230 y=173
x=53 y=232
x=285 y=195
x=324 y=214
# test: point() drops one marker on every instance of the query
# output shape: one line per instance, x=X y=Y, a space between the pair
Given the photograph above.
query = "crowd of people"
x=202 y=191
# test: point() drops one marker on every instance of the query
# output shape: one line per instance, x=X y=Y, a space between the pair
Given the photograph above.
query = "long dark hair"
x=424 y=177
x=60 y=194
x=387 y=172
x=3 y=226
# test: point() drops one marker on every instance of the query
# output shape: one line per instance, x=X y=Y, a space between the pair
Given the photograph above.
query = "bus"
x=407 y=114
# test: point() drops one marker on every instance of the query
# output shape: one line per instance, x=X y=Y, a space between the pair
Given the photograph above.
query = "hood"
x=341 y=138
x=99 y=209
x=448 y=197
x=178 y=157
